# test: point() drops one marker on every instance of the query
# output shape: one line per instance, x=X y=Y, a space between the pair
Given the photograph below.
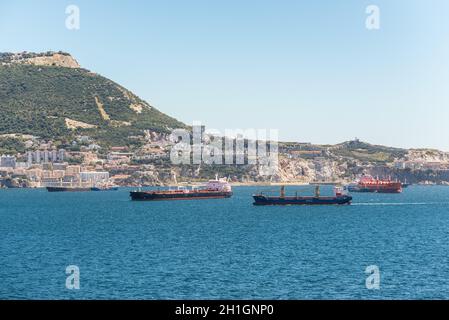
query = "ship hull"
x=376 y=189
x=165 y=196
x=67 y=189
x=260 y=200
x=368 y=184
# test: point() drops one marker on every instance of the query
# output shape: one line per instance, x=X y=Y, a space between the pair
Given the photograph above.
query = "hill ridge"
x=39 y=91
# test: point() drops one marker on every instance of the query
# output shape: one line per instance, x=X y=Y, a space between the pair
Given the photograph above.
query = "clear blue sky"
x=308 y=68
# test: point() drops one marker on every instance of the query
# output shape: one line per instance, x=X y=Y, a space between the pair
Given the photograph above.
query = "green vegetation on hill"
x=37 y=100
x=367 y=152
x=11 y=146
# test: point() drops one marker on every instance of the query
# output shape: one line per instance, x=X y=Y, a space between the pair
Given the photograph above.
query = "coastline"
x=234 y=184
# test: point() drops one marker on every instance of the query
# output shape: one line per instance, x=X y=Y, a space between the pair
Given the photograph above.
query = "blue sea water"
x=223 y=249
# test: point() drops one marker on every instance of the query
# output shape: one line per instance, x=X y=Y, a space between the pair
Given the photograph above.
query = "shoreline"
x=238 y=184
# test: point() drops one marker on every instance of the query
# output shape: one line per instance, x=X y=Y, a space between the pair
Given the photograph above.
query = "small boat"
x=352 y=188
x=405 y=184
x=215 y=189
x=339 y=198
x=104 y=188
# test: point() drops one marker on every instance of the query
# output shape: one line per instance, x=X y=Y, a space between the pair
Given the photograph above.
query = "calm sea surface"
x=228 y=249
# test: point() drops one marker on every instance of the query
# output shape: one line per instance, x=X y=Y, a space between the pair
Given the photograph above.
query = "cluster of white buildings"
x=33 y=157
x=7 y=161
x=45 y=156
x=421 y=165
x=63 y=174
x=45 y=168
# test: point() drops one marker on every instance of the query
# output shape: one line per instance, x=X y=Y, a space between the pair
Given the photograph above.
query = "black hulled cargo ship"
x=68 y=189
x=215 y=189
x=80 y=189
x=81 y=186
x=339 y=198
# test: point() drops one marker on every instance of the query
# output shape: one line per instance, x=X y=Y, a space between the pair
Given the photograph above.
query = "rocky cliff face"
x=427 y=155
x=307 y=171
x=413 y=166
x=57 y=59
x=338 y=164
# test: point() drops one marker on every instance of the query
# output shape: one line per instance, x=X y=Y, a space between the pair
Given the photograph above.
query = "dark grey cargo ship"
x=339 y=198
x=215 y=189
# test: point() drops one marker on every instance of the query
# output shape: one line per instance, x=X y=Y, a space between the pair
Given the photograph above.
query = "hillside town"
x=84 y=162
x=43 y=164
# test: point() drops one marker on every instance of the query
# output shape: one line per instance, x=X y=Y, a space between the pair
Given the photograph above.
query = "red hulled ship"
x=369 y=184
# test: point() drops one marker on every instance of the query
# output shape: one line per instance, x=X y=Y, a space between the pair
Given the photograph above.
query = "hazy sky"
x=308 y=68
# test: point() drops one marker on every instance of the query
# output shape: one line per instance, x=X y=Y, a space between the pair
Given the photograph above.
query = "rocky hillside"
x=347 y=161
x=307 y=163
x=48 y=95
x=56 y=59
